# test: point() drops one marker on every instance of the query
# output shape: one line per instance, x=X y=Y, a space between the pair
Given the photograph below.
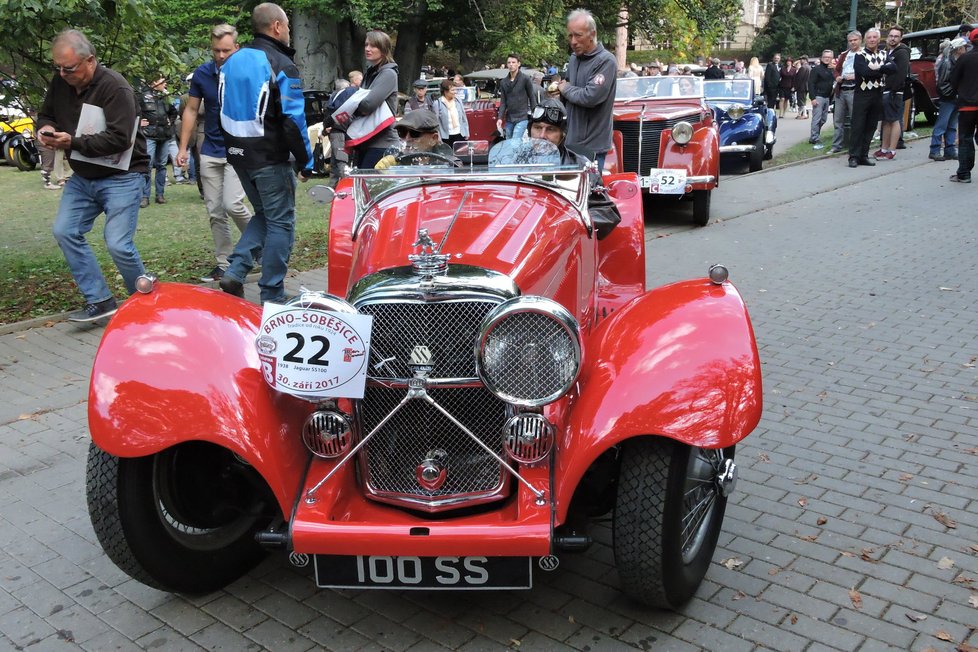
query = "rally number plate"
x=428 y=573
x=665 y=182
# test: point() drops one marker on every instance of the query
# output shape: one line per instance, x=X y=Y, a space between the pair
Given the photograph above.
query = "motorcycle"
x=20 y=150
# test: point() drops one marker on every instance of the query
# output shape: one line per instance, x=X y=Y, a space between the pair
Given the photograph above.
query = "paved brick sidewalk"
x=855 y=524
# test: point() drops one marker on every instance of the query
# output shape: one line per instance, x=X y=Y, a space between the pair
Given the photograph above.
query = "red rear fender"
x=179 y=364
x=680 y=361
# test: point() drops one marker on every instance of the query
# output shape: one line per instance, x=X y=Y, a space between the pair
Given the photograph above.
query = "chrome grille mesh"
x=393 y=454
x=530 y=355
x=651 y=131
x=449 y=329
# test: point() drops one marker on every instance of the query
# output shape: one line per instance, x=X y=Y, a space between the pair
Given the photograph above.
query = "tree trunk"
x=621 y=38
x=410 y=45
x=315 y=37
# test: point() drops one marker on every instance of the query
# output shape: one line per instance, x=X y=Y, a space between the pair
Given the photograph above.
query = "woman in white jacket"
x=452 y=123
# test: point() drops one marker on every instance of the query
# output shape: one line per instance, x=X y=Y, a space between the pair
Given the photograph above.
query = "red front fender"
x=700 y=156
x=680 y=361
x=179 y=364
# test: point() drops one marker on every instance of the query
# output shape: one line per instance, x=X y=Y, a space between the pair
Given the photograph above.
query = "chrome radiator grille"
x=651 y=131
x=392 y=456
x=448 y=328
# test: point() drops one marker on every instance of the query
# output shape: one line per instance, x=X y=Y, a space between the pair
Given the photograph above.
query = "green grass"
x=803 y=151
x=174 y=240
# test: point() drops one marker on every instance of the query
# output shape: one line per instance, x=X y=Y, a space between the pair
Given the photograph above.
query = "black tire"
x=10 y=147
x=23 y=158
x=182 y=520
x=656 y=564
x=755 y=160
x=701 y=207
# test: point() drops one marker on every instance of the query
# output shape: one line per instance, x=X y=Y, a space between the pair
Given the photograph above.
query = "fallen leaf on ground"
x=857 y=599
x=794 y=619
x=808 y=537
x=964 y=647
x=763 y=457
x=809 y=478
x=911 y=437
x=846 y=553
x=732 y=563
x=821 y=520
x=944 y=636
x=570 y=619
x=944 y=289
x=974 y=548
x=739 y=595
x=943 y=518
x=802 y=502
x=973 y=451
x=915 y=617
x=906 y=477
x=973 y=601
x=773 y=571
x=963 y=579
x=945 y=563
x=866 y=555
x=515 y=641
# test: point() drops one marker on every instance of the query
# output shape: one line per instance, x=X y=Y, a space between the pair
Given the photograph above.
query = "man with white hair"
x=108 y=162
x=867 y=102
x=588 y=91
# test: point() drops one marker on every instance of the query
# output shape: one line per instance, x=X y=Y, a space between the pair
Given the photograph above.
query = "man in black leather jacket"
x=157 y=119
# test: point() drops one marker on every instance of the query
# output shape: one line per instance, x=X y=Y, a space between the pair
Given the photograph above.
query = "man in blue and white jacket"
x=264 y=125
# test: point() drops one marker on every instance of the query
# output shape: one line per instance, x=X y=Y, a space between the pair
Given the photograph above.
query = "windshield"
x=728 y=89
x=633 y=88
x=531 y=162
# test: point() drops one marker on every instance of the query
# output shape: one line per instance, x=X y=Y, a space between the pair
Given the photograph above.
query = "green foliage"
x=174 y=241
x=126 y=36
x=810 y=26
x=187 y=25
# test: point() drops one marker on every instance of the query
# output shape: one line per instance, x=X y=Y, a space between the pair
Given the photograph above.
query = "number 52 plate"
x=665 y=182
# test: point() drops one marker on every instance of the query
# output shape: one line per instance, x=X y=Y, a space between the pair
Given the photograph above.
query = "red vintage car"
x=479 y=378
x=665 y=133
x=924 y=50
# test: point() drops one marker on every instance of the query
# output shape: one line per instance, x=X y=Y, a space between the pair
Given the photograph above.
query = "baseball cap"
x=973 y=36
x=958 y=43
x=420 y=83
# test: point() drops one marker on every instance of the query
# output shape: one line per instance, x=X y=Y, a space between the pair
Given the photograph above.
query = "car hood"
x=529 y=233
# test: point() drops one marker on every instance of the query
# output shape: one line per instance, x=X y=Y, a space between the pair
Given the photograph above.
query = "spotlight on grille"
x=528 y=438
x=529 y=351
x=327 y=433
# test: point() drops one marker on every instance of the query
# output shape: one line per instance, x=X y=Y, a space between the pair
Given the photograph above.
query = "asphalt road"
x=855 y=523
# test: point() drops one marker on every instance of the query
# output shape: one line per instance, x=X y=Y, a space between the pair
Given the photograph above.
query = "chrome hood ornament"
x=428 y=262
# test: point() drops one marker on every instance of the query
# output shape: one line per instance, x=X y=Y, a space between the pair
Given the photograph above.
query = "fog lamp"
x=528 y=438
x=327 y=433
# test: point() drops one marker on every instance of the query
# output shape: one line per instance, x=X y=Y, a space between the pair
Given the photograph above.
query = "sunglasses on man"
x=413 y=133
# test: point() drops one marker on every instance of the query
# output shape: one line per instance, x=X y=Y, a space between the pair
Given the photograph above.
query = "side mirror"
x=322 y=194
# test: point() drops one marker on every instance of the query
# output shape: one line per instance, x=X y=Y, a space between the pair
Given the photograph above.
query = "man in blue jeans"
x=263 y=120
x=92 y=112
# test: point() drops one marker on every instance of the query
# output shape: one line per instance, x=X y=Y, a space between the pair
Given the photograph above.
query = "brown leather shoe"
x=144 y=202
x=160 y=200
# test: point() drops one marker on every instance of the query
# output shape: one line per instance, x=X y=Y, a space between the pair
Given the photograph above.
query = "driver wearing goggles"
x=548 y=121
x=418 y=131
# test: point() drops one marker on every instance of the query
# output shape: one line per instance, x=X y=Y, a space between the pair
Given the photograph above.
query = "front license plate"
x=428 y=573
x=665 y=182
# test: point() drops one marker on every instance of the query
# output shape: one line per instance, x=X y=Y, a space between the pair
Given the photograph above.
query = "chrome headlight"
x=682 y=133
x=27 y=132
x=529 y=351
x=735 y=112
